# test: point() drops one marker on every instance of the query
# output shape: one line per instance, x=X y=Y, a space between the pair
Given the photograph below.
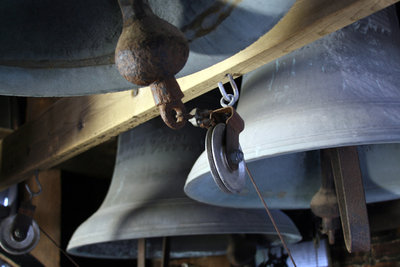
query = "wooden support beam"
x=48 y=203
x=220 y=261
x=4 y=132
x=73 y=125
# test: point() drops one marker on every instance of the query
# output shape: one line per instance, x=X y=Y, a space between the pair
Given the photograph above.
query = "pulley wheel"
x=14 y=247
x=227 y=179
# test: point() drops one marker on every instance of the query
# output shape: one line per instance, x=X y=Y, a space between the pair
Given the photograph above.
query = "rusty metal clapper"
x=150 y=51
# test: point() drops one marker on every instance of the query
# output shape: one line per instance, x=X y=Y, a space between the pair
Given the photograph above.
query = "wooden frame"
x=73 y=125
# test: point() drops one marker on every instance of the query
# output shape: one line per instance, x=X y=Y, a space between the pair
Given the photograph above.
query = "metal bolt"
x=236 y=156
x=135 y=92
x=19 y=235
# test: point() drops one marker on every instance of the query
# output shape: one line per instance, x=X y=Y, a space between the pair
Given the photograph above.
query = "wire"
x=270 y=215
x=61 y=250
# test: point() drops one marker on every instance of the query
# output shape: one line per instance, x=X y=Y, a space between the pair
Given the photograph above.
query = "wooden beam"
x=4 y=132
x=48 y=203
x=220 y=261
x=73 y=125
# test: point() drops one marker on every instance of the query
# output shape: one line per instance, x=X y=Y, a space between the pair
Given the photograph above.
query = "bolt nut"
x=236 y=156
x=19 y=235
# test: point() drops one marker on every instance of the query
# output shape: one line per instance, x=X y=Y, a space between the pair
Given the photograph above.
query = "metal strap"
x=351 y=198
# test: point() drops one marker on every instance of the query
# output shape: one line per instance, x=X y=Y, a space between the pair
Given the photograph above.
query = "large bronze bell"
x=146 y=200
x=64 y=48
x=341 y=90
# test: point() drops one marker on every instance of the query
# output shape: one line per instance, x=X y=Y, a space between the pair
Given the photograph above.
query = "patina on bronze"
x=150 y=51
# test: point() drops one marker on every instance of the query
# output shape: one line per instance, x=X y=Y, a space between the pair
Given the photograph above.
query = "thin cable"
x=55 y=243
x=270 y=215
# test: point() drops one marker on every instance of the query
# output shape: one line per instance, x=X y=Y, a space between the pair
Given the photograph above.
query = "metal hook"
x=231 y=99
x=34 y=194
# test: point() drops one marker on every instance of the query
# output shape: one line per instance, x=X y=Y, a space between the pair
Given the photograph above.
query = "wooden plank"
x=220 y=261
x=73 y=125
x=4 y=132
x=141 y=256
x=48 y=203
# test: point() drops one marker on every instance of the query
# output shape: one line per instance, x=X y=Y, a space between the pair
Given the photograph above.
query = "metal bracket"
x=234 y=126
x=351 y=198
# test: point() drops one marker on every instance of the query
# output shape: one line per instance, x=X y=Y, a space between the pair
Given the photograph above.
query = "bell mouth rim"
x=201 y=163
x=289 y=238
x=289 y=231
x=249 y=221
x=377 y=188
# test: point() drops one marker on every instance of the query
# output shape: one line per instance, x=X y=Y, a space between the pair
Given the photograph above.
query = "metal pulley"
x=224 y=153
x=225 y=156
x=19 y=233
x=327 y=94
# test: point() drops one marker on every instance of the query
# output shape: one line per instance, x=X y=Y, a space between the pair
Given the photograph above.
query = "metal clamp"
x=34 y=194
x=224 y=153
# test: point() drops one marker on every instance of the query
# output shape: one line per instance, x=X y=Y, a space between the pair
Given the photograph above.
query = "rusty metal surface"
x=149 y=48
x=234 y=126
x=150 y=51
x=167 y=96
x=385 y=252
x=351 y=198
